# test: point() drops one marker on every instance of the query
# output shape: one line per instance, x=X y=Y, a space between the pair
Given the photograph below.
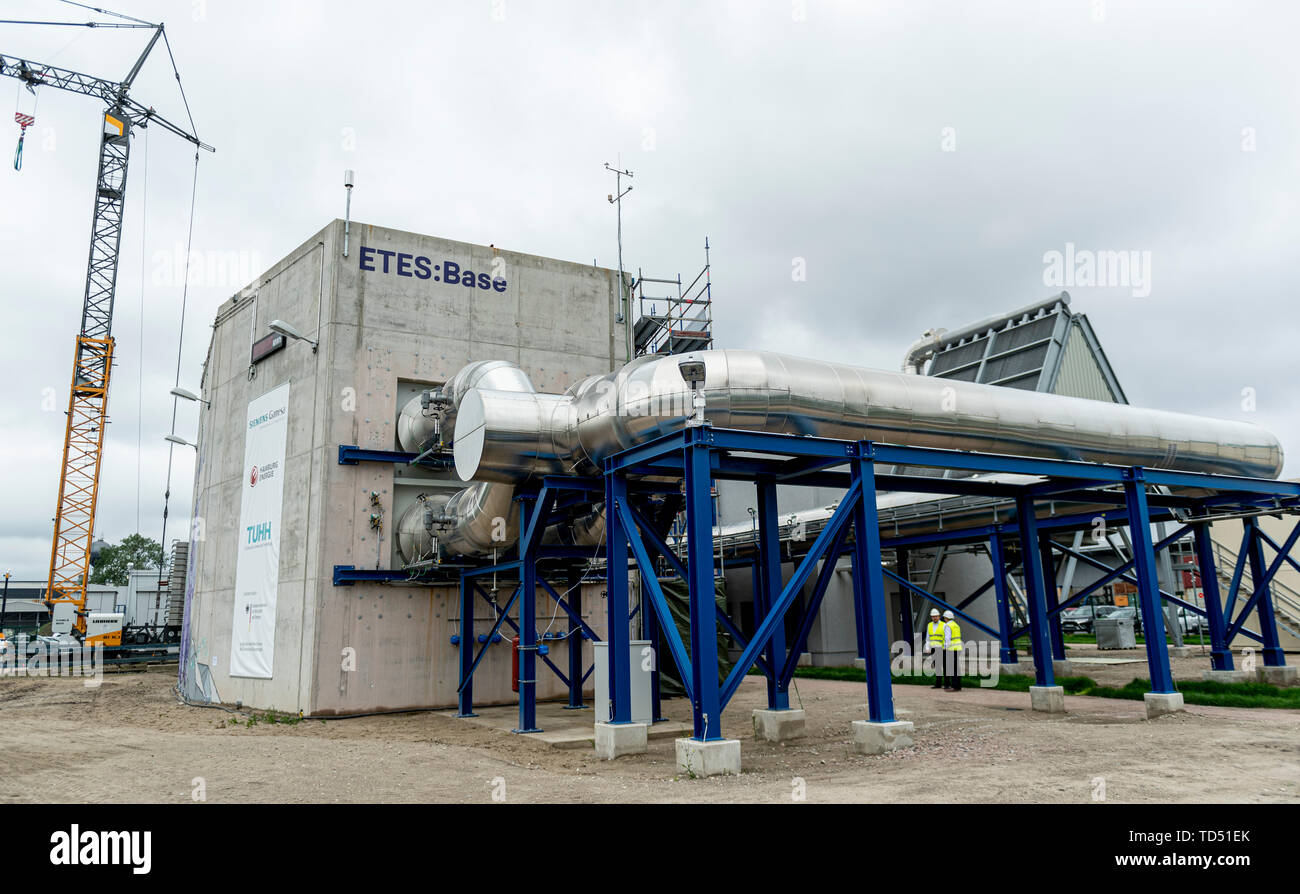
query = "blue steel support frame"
x=616 y=599
x=1220 y=654
x=707 y=720
x=530 y=514
x=700 y=455
x=767 y=572
x=869 y=589
x=1031 y=559
x=1002 y=595
x=1144 y=563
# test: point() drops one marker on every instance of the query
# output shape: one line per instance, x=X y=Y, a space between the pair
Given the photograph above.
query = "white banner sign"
x=257 y=566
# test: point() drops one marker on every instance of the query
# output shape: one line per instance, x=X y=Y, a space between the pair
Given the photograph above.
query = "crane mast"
x=92 y=364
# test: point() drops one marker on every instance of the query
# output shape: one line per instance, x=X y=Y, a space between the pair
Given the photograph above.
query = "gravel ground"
x=130 y=740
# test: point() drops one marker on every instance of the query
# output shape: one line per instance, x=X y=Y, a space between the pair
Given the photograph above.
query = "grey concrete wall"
x=556 y=319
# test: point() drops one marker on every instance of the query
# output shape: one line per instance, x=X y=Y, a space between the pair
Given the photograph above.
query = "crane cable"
x=180 y=344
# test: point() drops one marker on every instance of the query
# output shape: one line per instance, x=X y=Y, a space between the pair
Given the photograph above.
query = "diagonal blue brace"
x=1262 y=597
x=839 y=518
x=650 y=587
x=1220 y=654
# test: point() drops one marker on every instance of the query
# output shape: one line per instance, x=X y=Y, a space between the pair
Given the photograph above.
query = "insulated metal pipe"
x=515 y=436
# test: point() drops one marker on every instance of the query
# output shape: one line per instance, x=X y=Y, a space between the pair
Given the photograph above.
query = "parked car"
x=1077 y=620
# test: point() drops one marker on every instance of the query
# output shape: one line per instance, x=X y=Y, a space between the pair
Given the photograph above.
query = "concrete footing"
x=1013 y=668
x=1048 y=699
x=617 y=739
x=877 y=738
x=860 y=663
x=778 y=726
x=1180 y=651
x=1062 y=667
x=719 y=757
x=1286 y=675
x=1159 y=703
x=1226 y=676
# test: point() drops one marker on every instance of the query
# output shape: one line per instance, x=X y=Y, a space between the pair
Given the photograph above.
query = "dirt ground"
x=131 y=740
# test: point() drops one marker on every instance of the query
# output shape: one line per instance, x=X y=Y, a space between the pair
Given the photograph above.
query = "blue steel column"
x=465 y=701
x=869 y=589
x=527 y=623
x=1052 y=597
x=574 y=596
x=1271 y=648
x=1003 y=597
x=768 y=570
x=699 y=570
x=1039 y=638
x=616 y=600
x=1144 y=566
x=1220 y=654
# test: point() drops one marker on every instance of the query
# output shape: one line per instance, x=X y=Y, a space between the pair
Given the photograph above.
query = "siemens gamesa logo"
x=400 y=263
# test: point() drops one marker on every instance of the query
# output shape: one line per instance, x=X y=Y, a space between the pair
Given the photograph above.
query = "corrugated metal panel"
x=1080 y=375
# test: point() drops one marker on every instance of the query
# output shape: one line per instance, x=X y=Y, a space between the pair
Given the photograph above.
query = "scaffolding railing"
x=674 y=323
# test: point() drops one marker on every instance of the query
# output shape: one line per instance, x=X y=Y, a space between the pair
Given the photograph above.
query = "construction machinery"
x=70 y=555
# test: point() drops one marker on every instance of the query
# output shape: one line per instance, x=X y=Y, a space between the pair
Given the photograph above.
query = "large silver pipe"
x=514 y=436
x=415 y=426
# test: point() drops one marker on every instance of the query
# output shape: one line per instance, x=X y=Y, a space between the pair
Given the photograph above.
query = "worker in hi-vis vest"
x=952 y=652
x=934 y=644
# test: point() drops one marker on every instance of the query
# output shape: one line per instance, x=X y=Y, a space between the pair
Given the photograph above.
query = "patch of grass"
x=1226 y=695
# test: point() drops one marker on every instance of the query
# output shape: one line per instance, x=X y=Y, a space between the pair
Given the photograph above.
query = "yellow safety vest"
x=935 y=631
x=954 y=644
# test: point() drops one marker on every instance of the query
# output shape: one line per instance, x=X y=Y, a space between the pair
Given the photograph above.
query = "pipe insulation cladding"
x=513 y=435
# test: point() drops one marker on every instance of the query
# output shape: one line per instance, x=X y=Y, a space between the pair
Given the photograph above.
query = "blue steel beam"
x=768 y=573
x=707 y=704
x=1259 y=532
x=869 y=592
x=1144 y=555
x=616 y=598
x=465 y=692
x=1034 y=584
x=1053 y=597
x=1220 y=653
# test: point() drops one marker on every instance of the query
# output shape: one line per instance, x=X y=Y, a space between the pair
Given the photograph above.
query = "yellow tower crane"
x=92 y=363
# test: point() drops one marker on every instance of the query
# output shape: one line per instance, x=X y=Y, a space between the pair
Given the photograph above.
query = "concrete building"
x=397 y=314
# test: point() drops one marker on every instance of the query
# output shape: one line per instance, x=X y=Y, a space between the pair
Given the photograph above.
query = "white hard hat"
x=934 y=613
x=948 y=615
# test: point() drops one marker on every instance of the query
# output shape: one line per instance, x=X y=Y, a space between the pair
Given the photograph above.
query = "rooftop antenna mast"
x=616 y=198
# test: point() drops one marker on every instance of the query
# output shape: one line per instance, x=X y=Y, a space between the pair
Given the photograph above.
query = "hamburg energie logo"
x=252 y=477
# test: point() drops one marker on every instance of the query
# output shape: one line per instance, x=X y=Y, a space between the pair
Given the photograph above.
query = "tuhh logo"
x=259 y=533
x=77 y=848
x=382 y=260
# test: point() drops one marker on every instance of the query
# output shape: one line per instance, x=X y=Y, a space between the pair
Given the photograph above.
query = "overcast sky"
x=918 y=160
